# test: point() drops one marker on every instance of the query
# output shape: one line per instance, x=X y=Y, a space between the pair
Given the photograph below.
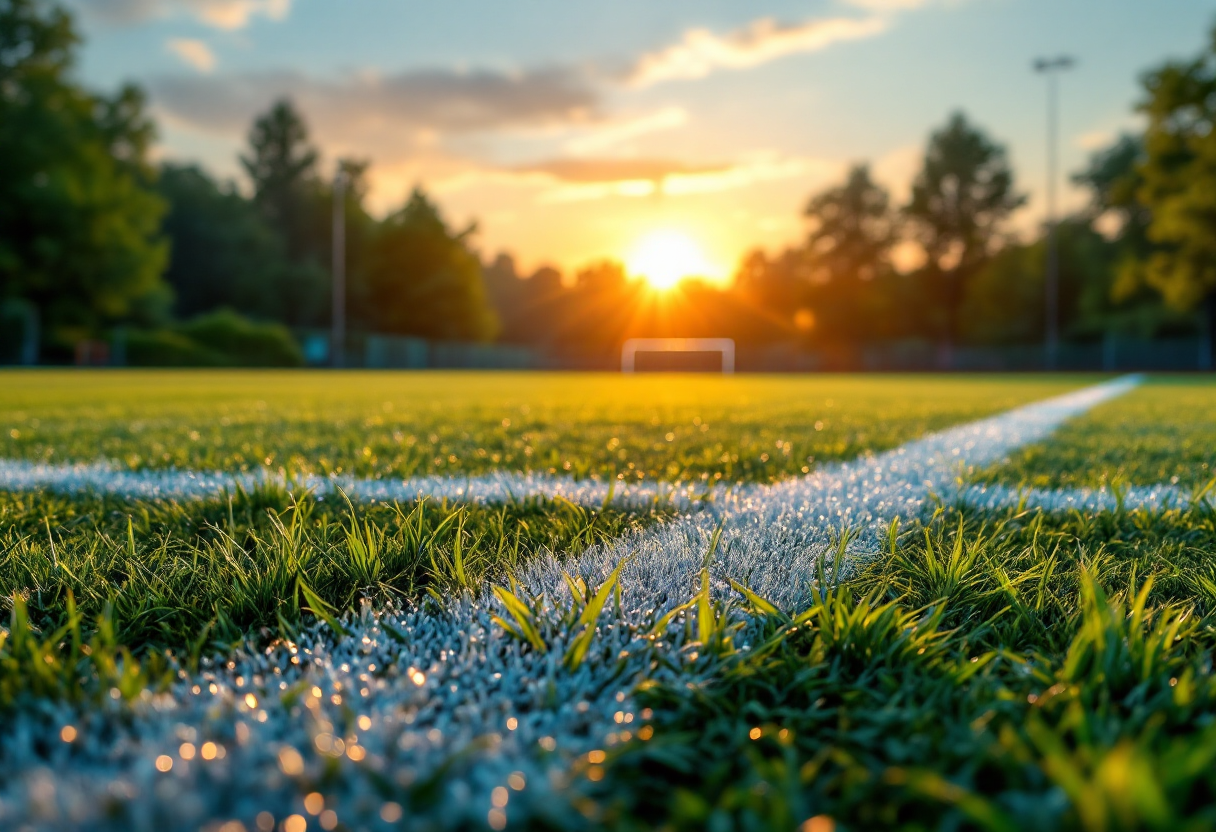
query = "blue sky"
x=550 y=123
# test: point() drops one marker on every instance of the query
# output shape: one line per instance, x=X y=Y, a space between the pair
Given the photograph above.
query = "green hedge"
x=217 y=339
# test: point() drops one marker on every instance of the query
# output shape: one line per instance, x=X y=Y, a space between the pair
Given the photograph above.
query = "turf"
x=1162 y=432
x=995 y=671
x=666 y=427
x=1001 y=673
x=199 y=575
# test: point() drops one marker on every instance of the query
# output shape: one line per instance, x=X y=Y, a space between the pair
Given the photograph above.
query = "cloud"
x=700 y=52
x=194 y=52
x=405 y=107
x=566 y=180
x=639 y=178
x=222 y=14
x=611 y=134
x=612 y=170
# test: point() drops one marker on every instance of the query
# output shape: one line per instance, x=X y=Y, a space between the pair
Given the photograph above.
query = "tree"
x=852 y=230
x=1179 y=183
x=423 y=280
x=960 y=201
x=282 y=166
x=1117 y=298
x=223 y=252
x=78 y=215
x=847 y=251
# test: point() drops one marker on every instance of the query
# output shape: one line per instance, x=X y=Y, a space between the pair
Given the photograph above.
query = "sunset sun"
x=664 y=258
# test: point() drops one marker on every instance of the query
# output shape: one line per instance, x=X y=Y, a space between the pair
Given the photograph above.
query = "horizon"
x=556 y=144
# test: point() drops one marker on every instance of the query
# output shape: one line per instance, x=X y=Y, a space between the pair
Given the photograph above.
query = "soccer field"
x=298 y=601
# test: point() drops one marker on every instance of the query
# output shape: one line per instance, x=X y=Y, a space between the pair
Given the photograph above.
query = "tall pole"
x=338 y=332
x=1051 y=67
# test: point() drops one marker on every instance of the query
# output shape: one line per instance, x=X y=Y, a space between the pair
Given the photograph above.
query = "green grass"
x=1002 y=673
x=988 y=671
x=204 y=574
x=669 y=427
x=1162 y=432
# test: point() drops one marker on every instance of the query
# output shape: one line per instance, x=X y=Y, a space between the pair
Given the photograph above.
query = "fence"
x=393 y=352
x=397 y=352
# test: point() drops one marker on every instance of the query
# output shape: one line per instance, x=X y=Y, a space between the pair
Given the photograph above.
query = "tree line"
x=95 y=238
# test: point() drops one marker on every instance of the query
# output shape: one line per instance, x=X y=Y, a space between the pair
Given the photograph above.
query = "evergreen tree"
x=282 y=166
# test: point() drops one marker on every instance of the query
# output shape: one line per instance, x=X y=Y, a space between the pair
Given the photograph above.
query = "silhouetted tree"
x=78 y=215
x=847 y=253
x=423 y=280
x=282 y=166
x=960 y=201
x=852 y=230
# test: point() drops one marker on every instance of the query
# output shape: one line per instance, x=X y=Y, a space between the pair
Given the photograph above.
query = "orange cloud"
x=701 y=51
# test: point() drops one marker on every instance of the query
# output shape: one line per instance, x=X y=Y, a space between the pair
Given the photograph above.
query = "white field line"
x=452 y=686
x=505 y=486
x=496 y=487
x=1149 y=497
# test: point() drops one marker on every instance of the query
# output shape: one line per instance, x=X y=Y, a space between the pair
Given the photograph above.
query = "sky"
x=575 y=131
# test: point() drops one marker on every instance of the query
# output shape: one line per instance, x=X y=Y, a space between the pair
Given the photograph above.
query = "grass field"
x=975 y=670
x=670 y=428
x=1163 y=432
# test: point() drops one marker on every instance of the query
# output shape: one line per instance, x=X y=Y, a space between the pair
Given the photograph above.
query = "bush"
x=243 y=342
x=218 y=339
x=166 y=348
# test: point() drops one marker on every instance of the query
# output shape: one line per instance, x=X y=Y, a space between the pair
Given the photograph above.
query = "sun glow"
x=664 y=258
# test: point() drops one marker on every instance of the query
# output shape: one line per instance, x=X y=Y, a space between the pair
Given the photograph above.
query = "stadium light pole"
x=338 y=322
x=1052 y=67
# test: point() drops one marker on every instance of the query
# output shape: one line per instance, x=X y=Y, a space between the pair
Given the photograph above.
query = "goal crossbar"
x=633 y=346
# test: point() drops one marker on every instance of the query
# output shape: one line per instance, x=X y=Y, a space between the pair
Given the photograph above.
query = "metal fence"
x=1110 y=355
x=394 y=352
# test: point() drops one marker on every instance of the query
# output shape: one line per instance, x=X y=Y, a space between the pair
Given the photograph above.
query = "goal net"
x=659 y=354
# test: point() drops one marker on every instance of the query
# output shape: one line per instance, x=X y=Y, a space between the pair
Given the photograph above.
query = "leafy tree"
x=78 y=215
x=223 y=253
x=847 y=253
x=852 y=230
x=1117 y=298
x=423 y=280
x=1179 y=183
x=1004 y=302
x=1113 y=178
x=960 y=201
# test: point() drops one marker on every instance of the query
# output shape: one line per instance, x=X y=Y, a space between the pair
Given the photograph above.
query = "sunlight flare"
x=664 y=258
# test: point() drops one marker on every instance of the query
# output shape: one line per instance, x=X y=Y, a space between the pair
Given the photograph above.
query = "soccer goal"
x=678 y=354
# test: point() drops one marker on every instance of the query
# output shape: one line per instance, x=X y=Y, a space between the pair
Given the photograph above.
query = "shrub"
x=217 y=339
x=244 y=343
x=166 y=348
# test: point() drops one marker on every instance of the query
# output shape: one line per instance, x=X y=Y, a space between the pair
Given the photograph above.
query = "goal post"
x=724 y=346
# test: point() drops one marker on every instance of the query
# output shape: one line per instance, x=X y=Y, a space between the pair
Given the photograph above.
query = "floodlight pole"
x=1052 y=67
x=338 y=323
